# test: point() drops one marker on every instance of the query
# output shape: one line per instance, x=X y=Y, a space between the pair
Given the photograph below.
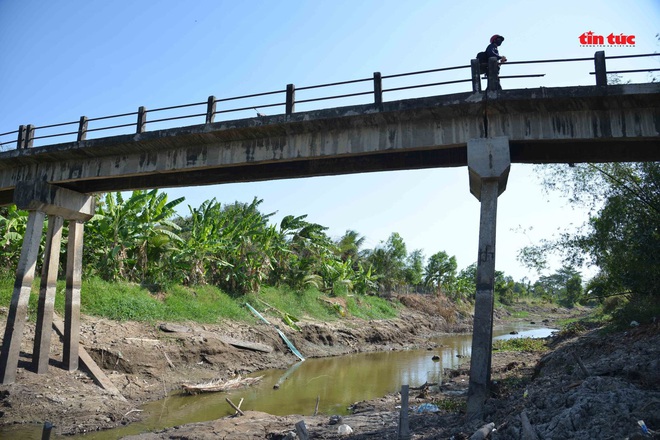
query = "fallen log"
x=246 y=345
x=220 y=385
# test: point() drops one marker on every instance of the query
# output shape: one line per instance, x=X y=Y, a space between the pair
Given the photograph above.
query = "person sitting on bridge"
x=492 y=51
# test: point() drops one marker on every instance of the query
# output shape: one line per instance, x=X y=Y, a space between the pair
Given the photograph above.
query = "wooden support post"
x=82 y=128
x=11 y=343
x=601 y=68
x=141 y=120
x=46 y=306
x=476 y=79
x=210 y=110
x=404 y=426
x=72 y=300
x=378 y=90
x=290 y=99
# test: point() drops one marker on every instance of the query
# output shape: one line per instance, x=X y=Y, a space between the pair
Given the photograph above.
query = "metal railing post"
x=290 y=99
x=601 y=69
x=210 y=110
x=141 y=120
x=20 y=142
x=29 y=136
x=476 y=80
x=378 y=90
x=493 y=74
x=82 y=128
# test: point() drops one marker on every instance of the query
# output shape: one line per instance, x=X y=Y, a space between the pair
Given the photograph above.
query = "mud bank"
x=145 y=363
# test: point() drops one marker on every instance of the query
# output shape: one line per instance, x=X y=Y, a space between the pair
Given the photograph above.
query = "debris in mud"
x=221 y=385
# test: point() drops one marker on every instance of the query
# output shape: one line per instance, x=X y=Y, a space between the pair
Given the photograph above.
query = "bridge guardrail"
x=27 y=134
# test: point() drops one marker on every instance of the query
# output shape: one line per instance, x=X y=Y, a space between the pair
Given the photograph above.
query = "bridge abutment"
x=489 y=162
x=59 y=204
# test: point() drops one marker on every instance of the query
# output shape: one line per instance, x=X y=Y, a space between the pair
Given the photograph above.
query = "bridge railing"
x=287 y=99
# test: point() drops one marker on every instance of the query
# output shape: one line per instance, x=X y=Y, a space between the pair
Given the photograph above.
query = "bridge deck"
x=546 y=125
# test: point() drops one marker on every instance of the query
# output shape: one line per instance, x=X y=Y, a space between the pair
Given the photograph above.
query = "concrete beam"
x=488 y=160
x=53 y=200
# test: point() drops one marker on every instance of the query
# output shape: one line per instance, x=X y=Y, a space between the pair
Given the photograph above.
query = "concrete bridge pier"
x=489 y=162
x=41 y=199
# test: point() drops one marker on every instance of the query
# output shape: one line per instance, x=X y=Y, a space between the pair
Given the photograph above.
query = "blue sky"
x=60 y=60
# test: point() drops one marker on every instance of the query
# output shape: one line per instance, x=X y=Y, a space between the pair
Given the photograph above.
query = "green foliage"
x=305 y=303
x=414 y=270
x=440 y=271
x=464 y=286
x=520 y=344
x=564 y=287
x=452 y=404
x=12 y=228
x=119 y=301
x=370 y=307
x=130 y=239
x=202 y=304
x=622 y=236
x=504 y=288
x=388 y=260
x=571 y=329
x=638 y=308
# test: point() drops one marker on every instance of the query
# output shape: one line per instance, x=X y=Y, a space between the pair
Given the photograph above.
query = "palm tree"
x=349 y=247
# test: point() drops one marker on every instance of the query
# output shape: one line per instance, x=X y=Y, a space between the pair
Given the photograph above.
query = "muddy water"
x=337 y=382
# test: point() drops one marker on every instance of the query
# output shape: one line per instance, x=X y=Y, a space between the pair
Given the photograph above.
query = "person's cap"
x=495 y=37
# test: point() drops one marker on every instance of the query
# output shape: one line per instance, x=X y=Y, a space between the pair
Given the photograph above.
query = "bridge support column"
x=41 y=199
x=489 y=162
x=47 y=295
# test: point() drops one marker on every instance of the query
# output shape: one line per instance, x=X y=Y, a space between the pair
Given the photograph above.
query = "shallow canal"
x=337 y=381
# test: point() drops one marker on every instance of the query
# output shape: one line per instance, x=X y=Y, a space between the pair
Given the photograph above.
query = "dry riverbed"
x=621 y=384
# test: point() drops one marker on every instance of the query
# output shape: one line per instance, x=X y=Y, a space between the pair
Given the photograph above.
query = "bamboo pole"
x=238 y=410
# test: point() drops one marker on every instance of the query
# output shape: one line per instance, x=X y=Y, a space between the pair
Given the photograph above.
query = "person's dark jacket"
x=492 y=51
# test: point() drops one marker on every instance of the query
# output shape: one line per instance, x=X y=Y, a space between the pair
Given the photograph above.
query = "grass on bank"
x=520 y=344
x=204 y=304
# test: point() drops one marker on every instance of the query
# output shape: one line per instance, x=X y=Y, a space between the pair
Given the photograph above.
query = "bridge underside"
x=523 y=152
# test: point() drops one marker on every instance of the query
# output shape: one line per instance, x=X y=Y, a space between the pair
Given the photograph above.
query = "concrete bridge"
x=546 y=125
x=485 y=131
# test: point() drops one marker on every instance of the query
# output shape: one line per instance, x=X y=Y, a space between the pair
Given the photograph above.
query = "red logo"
x=589 y=39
